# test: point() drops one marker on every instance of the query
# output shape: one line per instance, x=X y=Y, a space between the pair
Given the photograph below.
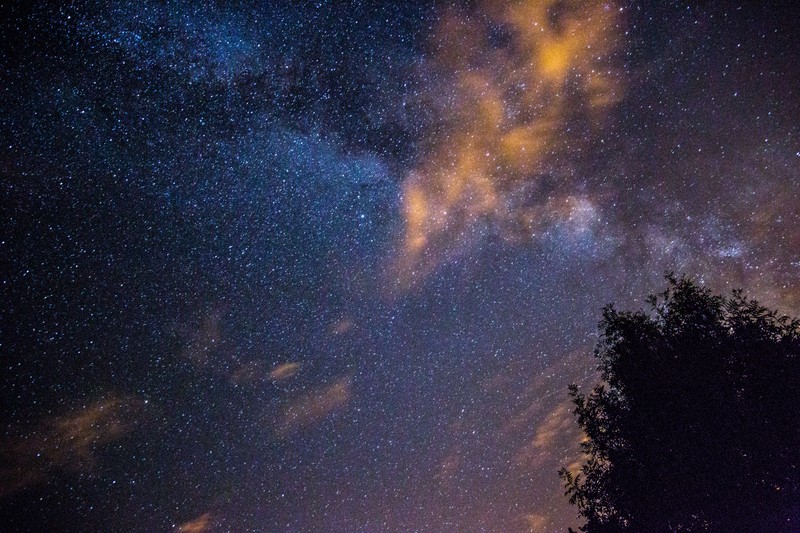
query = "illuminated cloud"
x=67 y=443
x=249 y=373
x=314 y=407
x=556 y=423
x=284 y=371
x=203 y=343
x=256 y=372
x=449 y=467
x=208 y=349
x=537 y=523
x=518 y=426
x=525 y=81
x=552 y=432
x=200 y=524
x=342 y=326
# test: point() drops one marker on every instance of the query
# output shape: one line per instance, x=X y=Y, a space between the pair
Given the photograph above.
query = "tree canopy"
x=695 y=425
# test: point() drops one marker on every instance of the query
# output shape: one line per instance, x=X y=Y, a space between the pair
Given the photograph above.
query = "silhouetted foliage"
x=696 y=424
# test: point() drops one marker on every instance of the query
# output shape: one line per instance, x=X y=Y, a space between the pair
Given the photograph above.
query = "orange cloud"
x=201 y=524
x=284 y=371
x=314 y=407
x=557 y=427
x=68 y=442
x=209 y=350
x=537 y=522
x=519 y=74
x=342 y=326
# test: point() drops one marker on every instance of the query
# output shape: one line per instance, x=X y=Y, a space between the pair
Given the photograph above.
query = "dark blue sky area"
x=330 y=266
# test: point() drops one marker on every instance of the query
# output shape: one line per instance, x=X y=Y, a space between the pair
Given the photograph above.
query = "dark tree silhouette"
x=696 y=423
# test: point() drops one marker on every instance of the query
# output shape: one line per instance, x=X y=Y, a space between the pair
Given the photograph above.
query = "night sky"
x=330 y=266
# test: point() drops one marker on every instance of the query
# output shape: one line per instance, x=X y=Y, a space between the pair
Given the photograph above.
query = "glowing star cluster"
x=521 y=75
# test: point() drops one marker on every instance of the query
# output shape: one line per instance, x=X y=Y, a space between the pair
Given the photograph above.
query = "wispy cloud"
x=201 y=524
x=284 y=371
x=68 y=442
x=314 y=407
x=529 y=84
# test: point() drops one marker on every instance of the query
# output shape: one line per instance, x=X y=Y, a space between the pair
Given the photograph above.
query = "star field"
x=330 y=266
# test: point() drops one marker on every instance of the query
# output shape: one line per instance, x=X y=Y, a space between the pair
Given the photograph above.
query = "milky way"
x=330 y=266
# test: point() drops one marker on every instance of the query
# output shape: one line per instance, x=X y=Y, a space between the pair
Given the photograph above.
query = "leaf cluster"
x=695 y=425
